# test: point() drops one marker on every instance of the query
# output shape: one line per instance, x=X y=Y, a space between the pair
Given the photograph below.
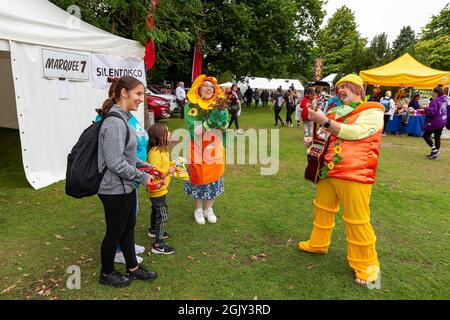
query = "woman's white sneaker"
x=209 y=214
x=199 y=217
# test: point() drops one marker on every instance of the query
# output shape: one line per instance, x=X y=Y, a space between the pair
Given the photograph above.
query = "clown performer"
x=206 y=120
x=347 y=177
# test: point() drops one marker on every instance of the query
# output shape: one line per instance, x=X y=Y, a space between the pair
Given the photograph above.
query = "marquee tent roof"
x=406 y=72
x=273 y=84
x=50 y=112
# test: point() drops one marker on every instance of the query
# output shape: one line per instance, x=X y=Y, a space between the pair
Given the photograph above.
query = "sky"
x=389 y=16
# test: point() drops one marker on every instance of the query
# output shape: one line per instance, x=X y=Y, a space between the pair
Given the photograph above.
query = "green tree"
x=404 y=42
x=269 y=38
x=379 y=52
x=433 y=47
x=338 y=40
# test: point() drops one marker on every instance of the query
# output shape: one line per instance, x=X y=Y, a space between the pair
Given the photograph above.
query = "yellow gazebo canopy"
x=405 y=72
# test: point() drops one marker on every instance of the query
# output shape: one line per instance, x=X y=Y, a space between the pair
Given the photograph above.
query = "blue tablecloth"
x=414 y=126
x=395 y=124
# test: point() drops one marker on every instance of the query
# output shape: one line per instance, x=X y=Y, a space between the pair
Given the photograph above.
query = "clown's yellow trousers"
x=354 y=198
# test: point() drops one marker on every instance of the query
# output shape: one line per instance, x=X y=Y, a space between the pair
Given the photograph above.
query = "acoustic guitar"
x=316 y=152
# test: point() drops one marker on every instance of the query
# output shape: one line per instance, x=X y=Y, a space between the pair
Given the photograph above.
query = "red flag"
x=198 y=60
x=150 y=54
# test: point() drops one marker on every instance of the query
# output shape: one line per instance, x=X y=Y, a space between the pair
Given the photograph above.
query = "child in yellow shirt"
x=158 y=156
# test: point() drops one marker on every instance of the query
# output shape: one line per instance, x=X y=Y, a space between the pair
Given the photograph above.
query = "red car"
x=159 y=106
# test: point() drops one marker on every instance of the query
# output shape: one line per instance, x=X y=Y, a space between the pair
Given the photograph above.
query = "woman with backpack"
x=117 y=150
x=142 y=140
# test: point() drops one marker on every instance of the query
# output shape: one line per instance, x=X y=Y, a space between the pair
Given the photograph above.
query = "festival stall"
x=53 y=74
x=406 y=72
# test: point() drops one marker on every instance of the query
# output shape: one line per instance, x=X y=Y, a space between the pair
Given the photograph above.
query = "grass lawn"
x=43 y=232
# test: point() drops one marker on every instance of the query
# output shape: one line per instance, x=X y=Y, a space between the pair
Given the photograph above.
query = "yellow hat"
x=352 y=78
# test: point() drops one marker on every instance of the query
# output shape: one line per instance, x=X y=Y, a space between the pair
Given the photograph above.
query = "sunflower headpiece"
x=195 y=97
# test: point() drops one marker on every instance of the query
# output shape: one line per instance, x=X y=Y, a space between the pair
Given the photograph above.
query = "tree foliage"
x=433 y=47
x=338 y=40
x=245 y=37
x=404 y=43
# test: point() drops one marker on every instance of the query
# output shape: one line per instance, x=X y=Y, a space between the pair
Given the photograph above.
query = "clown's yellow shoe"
x=305 y=246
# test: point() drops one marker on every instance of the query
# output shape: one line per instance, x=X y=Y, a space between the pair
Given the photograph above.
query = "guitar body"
x=316 y=153
x=316 y=159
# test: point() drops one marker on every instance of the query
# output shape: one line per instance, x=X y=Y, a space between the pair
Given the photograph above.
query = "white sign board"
x=110 y=66
x=64 y=65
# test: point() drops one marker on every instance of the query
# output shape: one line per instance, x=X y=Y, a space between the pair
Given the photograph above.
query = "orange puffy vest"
x=360 y=157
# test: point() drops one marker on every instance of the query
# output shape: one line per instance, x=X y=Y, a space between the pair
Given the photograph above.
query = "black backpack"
x=82 y=176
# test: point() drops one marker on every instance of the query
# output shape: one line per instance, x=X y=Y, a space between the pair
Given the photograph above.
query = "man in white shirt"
x=181 y=96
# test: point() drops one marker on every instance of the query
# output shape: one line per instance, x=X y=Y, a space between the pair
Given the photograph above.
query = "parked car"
x=159 y=106
x=170 y=97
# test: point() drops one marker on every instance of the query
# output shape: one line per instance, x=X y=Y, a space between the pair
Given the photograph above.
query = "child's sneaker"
x=139 y=249
x=162 y=248
x=199 y=217
x=209 y=214
x=152 y=234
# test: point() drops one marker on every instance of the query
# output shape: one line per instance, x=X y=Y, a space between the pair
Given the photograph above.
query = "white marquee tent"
x=330 y=79
x=272 y=84
x=53 y=70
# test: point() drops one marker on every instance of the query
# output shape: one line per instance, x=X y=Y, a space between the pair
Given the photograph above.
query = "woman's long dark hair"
x=117 y=84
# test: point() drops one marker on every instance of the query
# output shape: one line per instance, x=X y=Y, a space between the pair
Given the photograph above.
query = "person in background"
x=389 y=109
x=181 y=97
x=334 y=101
x=239 y=93
x=248 y=96
x=435 y=121
x=401 y=100
x=257 y=97
x=265 y=98
x=305 y=105
x=297 y=109
x=278 y=101
x=117 y=189
x=158 y=156
x=376 y=95
x=235 y=107
x=414 y=103
x=289 y=97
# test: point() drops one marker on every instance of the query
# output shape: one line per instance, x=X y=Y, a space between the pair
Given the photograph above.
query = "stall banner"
x=65 y=65
x=104 y=66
